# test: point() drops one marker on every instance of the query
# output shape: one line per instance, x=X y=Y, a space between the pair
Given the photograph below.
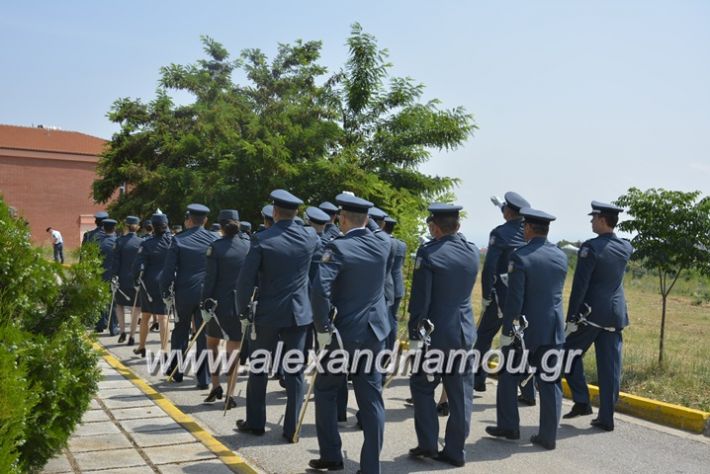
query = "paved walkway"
x=124 y=431
x=635 y=445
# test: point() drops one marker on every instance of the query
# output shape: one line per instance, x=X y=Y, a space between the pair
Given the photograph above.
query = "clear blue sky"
x=575 y=100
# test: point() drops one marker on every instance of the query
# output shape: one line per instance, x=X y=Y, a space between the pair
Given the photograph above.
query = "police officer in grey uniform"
x=106 y=243
x=503 y=241
x=445 y=271
x=124 y=255
x=185 y=267
x=330 y=231
x=245 y=230
x=225 y=258
x=147 y=269
x=278 y=262
x=536 y=276
x=599 y=284
x=95 y=235
x=216 y=229
x=351 y=278
x=400 y=251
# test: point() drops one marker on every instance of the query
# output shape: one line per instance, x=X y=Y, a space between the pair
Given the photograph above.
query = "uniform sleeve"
x=397 y=269
x=138 y=263
x=248 y=275
x=490 y=266
x=372 y=225
x=172 y=261
x=586 y=260
x=116 y=263
x=516 y=293
x=315 y=261
x=211 y=275
x=420 y=300
x=322 y=288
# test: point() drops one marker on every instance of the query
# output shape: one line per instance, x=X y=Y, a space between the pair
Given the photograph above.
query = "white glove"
x=506 y=340
x=415 y=345
x=570 y=327
x=244 y=322
x=324 y=339
x=206 y=316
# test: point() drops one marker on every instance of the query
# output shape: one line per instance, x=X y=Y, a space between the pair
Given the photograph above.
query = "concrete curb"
x=232 y=460
x=668 y=414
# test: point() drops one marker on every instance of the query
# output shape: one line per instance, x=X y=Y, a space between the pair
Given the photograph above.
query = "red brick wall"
x=49 y=190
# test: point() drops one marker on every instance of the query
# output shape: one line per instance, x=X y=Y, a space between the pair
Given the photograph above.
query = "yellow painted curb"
x=668 y=414
x=235 y=462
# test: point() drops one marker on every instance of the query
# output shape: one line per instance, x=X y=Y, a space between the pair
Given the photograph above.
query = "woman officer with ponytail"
x=224 y=261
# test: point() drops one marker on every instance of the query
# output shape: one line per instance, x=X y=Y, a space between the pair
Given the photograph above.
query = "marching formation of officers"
x=337 y=283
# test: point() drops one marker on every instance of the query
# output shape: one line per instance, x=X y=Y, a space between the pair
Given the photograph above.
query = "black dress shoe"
x=579 y=409
x=601 y=425
x=441 y=457
x=421 y=453
x=131 y=341
x=155 y=327
x=526 y=401
x=480 y=386
x=535 y=439
x=232 y=403
x=122 y=337
x=215 y=394
x=202 y=386
x=501 y=433
x=139 y=351
x=443 y=409
x=409 y=401
x=244 y=428
x=329 y=465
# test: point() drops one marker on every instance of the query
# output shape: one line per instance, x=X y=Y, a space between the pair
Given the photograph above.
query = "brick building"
x=46 y=174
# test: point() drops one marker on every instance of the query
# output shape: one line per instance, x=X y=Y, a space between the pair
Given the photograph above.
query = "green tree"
x=290 y=125
x=672 y=233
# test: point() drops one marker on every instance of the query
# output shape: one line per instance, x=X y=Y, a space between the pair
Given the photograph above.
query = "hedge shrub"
x=48 y=369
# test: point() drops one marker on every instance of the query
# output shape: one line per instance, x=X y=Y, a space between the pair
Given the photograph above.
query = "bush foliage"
x=48 y=369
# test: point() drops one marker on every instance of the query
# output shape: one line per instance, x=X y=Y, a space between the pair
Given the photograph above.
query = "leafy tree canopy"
x=671 y=236
x=291 y=125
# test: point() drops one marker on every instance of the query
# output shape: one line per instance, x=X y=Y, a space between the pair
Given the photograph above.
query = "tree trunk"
x=663 y=330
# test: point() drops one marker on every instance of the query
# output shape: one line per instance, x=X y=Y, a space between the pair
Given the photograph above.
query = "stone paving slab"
x=78 y=444
x=110 y=458
x=181 y=453
x=127 y=470
x=135 y=413
x=199 y=467
x=99 y=428
x=151 y=424
x=127 y=401
x=163 y=438
x=115 y=393
x=93 y=416
x=117 y=383
x=59 y=464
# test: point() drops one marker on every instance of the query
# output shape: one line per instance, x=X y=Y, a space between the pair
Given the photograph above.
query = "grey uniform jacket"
x=599 y=280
